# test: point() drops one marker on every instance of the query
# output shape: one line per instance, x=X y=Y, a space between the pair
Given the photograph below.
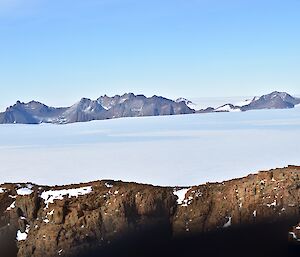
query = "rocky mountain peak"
x=274 y=100
x=182 y=99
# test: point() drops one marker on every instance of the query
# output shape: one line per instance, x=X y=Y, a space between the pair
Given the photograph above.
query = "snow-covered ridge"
x=51 y=195
x=189 y=103
x=228 y=108
x=182 y=99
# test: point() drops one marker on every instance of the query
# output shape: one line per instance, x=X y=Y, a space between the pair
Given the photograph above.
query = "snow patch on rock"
x=181 y=194
x=21 y=236
x=228 y=223
x=12 y=206
x=272 y=204
x=24 y=191
x=108 y=185
x=51 y=195
x=50 y=213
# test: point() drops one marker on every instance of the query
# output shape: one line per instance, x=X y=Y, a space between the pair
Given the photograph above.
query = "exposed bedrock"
x=257 y=214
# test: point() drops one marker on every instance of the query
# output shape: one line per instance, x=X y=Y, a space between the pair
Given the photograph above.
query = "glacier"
x=180 y=150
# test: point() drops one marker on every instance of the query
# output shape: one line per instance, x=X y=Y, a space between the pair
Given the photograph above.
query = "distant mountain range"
x=274 y=100
x=130 y=105
x=105 y=107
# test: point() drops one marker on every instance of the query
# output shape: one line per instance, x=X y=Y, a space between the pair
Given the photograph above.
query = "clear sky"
x=57 y=51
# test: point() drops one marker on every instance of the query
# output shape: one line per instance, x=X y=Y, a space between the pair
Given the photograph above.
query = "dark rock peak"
x=161 y=98
x=35 y=102
x=128 y=95
x=274 y=100
x=140 y=96
x=84 y=100
x=279 y=95
x=31 y=104
x=125 y=95
x=206 y=110
x=182 y=99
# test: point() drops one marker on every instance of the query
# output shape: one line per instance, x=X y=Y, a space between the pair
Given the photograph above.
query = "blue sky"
x=57 y=51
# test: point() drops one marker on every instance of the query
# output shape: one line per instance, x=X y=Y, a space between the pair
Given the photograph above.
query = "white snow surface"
x=181 y=194
x=180 y=150
x=24 y=191
x=2 y=190
x=21 y=236
x=51 y=195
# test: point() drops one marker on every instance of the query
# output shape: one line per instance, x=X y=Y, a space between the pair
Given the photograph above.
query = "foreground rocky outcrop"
x=259 y=212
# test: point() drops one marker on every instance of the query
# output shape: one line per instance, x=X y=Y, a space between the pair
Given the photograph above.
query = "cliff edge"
x=114 y=218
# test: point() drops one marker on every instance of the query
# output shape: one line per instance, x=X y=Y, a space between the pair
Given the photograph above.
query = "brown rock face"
x=109 y=218
x=59 y=224
x=264 y=197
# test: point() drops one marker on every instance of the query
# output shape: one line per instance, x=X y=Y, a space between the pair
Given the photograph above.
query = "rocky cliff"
x=259 y=212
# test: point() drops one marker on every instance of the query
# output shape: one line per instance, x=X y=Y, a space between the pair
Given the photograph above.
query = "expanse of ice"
x=171 y=150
